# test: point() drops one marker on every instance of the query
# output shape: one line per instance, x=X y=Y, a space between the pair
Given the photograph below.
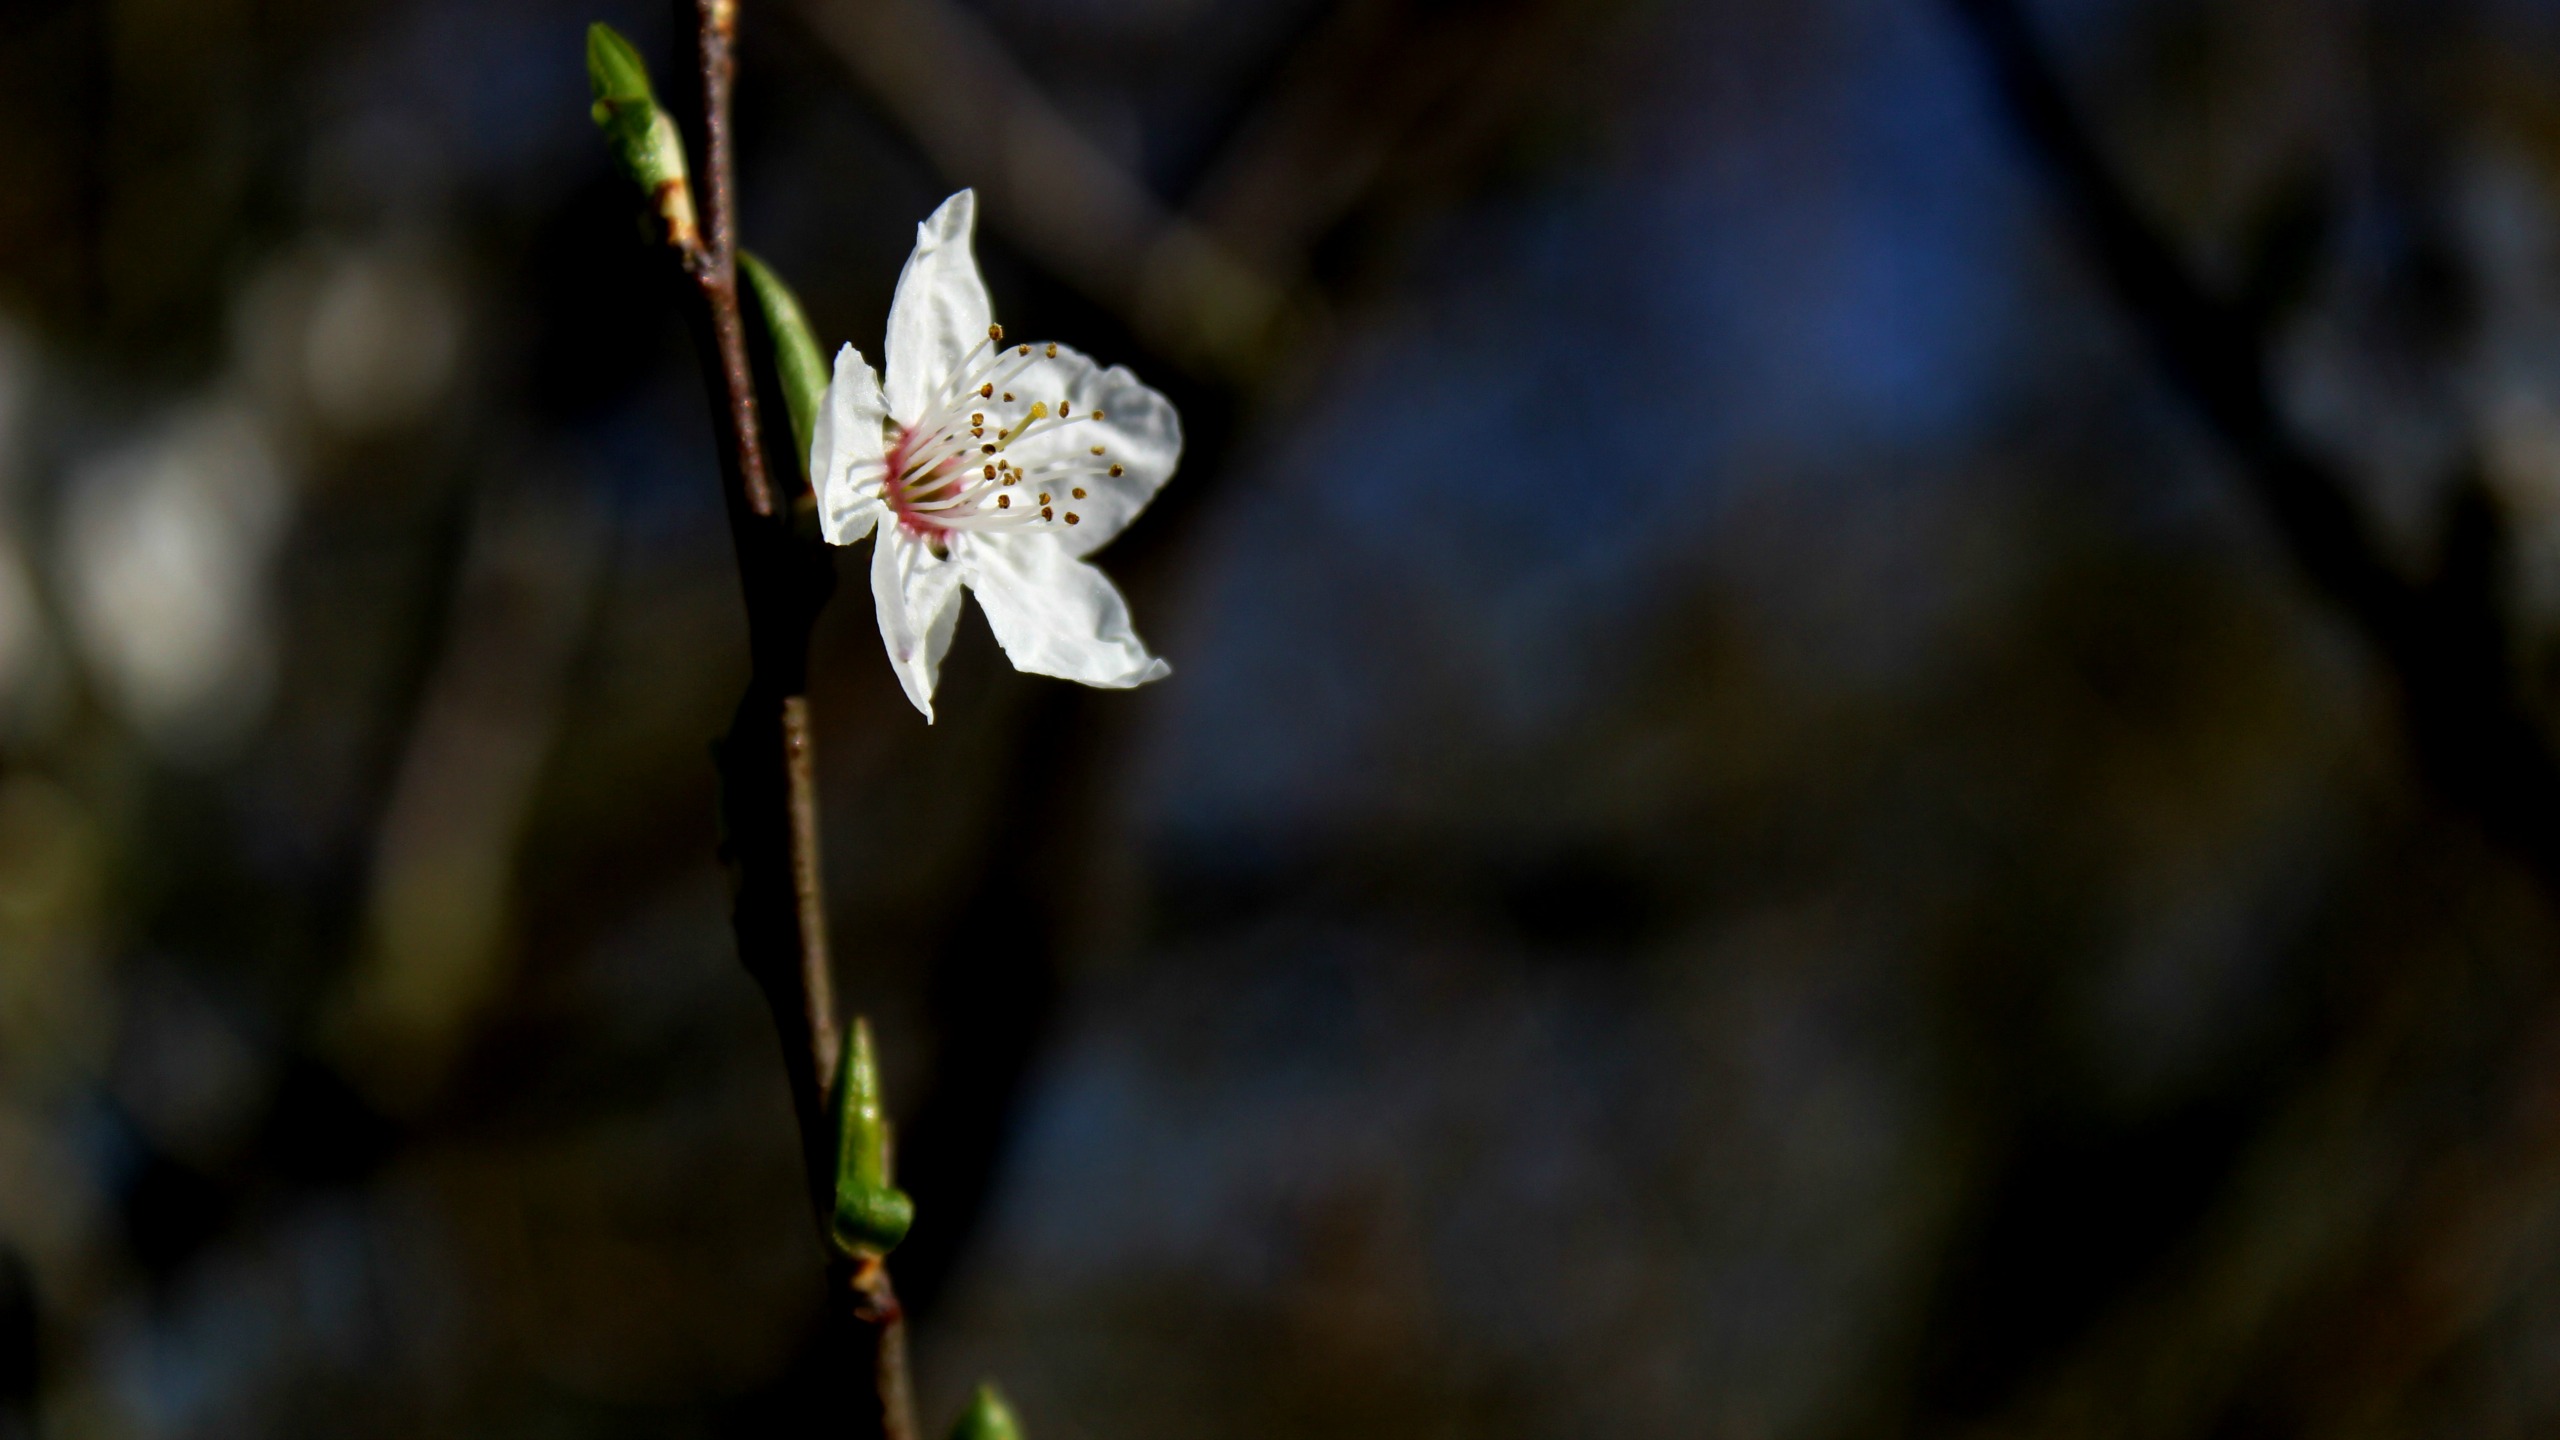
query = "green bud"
x=615 y=69
x=987 y=1418
x=797 y=361
x=643 y=138
x=872 y=1215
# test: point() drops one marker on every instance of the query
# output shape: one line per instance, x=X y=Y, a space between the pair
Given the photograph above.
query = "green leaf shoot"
x=642 y=136
x=872 y=1215
x=615 y=69
x=797 y=361
x=987 y=1418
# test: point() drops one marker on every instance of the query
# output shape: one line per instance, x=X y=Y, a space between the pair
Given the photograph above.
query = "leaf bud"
x=871 y=1215
x=797 y=361
x=987 y=1418
x=643 y=138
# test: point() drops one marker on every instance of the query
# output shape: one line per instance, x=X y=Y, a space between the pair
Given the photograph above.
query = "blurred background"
x=1751 y=836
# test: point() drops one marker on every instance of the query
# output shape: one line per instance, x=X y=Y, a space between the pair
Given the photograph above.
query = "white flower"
x=992 y=466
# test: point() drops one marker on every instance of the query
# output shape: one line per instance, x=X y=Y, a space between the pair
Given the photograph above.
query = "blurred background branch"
x=2445 y=634
x=947 y=77
x=2436 y=1260
x=1226 y=289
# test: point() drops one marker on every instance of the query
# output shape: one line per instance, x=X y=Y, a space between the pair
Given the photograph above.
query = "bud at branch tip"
x=643 y=138
x=872 y=1215
x=987 y=1418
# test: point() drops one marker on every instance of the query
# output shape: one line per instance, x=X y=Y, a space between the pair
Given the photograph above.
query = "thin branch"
x=2445 y=638
x=769 y=803
x=768 y=798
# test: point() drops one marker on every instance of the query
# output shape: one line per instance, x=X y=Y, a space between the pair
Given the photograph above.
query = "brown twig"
x=769 y=803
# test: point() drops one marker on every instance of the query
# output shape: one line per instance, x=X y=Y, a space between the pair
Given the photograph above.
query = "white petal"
x=846 y=447
x=941 y=310
x=1138 y=431
x=1053 y=613
x=919 y=598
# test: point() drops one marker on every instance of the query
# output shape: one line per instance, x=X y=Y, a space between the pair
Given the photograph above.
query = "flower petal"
x=918 y=594
x=847 y=447
x=941 y=311
x=1053 y=613
x=1138 y=432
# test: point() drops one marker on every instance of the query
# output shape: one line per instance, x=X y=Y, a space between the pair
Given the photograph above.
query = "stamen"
x=995 y=336
x=1004 y=368
x=943 y=470
x=1039 y=412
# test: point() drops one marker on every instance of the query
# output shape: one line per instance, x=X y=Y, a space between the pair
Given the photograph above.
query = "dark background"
x=1751 y=837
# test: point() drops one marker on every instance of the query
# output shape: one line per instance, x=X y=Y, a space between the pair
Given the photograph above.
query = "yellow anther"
x=986 y=390
x=1077 y=492
x=1071 y=517
x=1115 y=469
x=1097 y=449
x=1025 y=350
x=1004 y=502
x=995 y=332
x=1053 y=350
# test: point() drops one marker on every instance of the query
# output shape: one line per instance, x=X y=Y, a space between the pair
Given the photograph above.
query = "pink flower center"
x=955 y=468
x=938 y=480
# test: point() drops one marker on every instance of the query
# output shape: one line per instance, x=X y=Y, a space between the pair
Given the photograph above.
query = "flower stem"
x=767 y=762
